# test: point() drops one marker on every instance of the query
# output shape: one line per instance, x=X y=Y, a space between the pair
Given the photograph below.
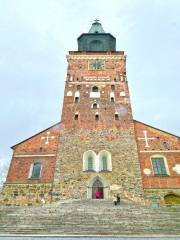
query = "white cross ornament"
x=47 y=138
x=145 y=138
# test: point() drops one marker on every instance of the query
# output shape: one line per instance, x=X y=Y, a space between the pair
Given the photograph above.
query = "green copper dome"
x=96 y=40
x=96 y=27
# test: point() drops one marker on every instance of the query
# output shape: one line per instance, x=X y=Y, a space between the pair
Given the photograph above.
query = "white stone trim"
x=37 y=155
x=109 y=162
x=85 y=166
x=77 y=94
x=69 y=94
x=30 y=170
x=122 y=94
x=92 y=82
x=160 y=151
x=105 y=186
x=95 y=95
x=112 y=95
x=96 y=57
x=96 y=160
x=93 y=104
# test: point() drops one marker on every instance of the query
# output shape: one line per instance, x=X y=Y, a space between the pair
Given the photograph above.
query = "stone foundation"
x=26 y=194
x=157 y=195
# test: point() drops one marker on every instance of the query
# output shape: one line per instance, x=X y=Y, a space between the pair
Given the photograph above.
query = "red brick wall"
x=156 y=146
x=21 y=161
x=20 y=167
x=77 y=74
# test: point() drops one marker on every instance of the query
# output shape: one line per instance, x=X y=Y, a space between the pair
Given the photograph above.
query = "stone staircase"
x=89 y=217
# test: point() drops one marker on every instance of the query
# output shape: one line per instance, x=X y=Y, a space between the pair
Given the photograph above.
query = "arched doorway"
x=97 y=183
x=97 y=187
x=172 y=199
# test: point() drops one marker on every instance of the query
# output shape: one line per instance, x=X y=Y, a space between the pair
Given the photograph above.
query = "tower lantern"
x=96 y=40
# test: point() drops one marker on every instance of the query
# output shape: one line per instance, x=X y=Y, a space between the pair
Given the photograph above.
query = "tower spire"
x=96 y=27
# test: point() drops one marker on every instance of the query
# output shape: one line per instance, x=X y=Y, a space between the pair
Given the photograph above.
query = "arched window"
x=95 y=106
x=90 y=163
x=116 y=116
x=95 y=93
x=105 y=161
x=159 y=164
x=77 y=97
x=97 y=116
x=112 y=98
x=95 y=89
x=35 y=170
x=76 y=116
x=89 y=159
x=172 y=199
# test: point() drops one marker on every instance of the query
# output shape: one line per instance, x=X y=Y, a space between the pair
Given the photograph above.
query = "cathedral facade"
x=97 y=145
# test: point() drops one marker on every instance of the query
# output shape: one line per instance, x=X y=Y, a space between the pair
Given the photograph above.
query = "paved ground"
x=89 y=238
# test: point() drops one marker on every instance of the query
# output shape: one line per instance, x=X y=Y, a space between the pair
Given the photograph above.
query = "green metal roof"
x=96 y=40
x=96 y=27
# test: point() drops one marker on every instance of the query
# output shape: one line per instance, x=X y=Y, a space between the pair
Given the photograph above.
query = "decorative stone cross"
x=146 y=138
x=47 y=138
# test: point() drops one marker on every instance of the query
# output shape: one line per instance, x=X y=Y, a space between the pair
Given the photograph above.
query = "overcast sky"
x=36 y=35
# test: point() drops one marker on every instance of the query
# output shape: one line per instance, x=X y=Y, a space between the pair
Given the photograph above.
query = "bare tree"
x=3 y=172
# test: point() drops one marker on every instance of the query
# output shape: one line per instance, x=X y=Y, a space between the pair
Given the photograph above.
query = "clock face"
x=96 y=65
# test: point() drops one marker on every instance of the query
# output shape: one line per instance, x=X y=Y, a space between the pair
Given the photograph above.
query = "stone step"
x=89 y=217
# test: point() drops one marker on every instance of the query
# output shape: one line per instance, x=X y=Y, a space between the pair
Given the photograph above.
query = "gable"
x=156 y=139
x=42 y=142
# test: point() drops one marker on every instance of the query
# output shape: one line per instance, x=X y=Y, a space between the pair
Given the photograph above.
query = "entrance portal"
x=97 y=189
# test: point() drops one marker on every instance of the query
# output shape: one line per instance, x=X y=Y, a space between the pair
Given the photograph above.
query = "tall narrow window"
x=78 y=87
x=76 y=97
x=116 y=115
x=76 y=100
x=89 y=158
x=90 y=163
x=95 y=89
x=76 y=116
x=159 y=166
x=112 y=99
x=112 y=87
x=36 y=170
x=104 y=163
x=95 y=106
x=97 y=117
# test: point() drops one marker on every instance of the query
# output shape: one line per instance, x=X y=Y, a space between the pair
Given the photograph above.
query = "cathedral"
x=97 y=145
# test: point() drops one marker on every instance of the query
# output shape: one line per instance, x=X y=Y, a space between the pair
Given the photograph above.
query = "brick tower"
x=97 y=149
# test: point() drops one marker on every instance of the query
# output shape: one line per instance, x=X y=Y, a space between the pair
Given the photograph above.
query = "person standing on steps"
x=97 y=194
x=118 y=199
x=115 y=200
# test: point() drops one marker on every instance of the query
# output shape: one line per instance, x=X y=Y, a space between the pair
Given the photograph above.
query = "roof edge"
x=34 y=135
x=96 y=34
x=156 y=128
